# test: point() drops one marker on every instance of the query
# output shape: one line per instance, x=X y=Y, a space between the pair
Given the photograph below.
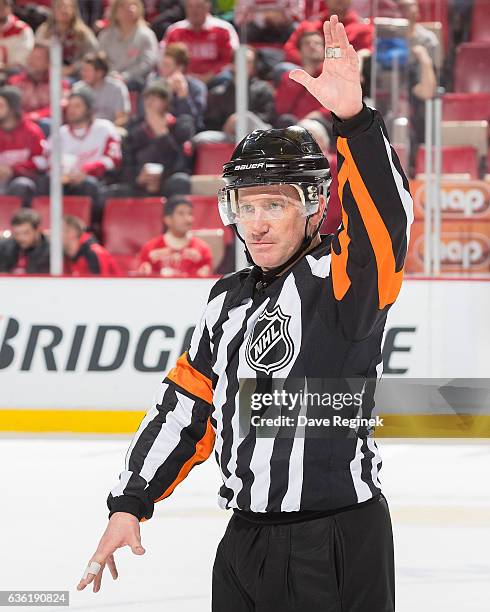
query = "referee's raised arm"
x=369 y=249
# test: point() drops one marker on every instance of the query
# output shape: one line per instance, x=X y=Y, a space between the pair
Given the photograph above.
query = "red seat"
x=471 y=73
x=128 y=224
x=455 y=160
x=480 y=21
x=127 y=264
x=206 y=215
x=78 y=206
x=466 y=106
x=436 y=10
x=211 y=157
x=8 y=206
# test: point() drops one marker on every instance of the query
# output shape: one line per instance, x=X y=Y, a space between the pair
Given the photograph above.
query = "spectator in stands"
x=417 y=34
x=20 y=147
x=360 y=34
x=293 y=101
x=111 y=96
x=268 y=21
x=33 y=13
x=83 y=254
x=189 y=94
x=77 y=39
x=92 y=11
x=210 y=40
x=27 y=251
x=16 y=39
x=176 y=252
x=33 y=83
x=131 y=46
x=154 y=150
x=166 y=12
x=220 y=117
x=90 y=150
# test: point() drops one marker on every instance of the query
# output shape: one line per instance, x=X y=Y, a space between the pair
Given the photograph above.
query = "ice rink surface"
x=53 y=513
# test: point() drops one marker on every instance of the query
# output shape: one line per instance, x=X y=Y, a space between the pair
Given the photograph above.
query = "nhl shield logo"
x=270 y=346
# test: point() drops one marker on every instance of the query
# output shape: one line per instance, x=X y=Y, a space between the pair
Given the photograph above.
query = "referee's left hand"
x=123 y=529
x=338 y=88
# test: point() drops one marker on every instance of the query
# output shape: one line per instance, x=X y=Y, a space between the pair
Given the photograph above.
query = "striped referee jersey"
x=322 y=319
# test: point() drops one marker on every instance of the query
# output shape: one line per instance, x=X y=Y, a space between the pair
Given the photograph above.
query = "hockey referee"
x=310 y=529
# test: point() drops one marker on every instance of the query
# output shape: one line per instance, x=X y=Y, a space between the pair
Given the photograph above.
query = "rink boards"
x=86 y=355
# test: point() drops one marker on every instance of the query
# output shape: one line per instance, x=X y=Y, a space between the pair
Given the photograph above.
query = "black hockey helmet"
x=276 y=156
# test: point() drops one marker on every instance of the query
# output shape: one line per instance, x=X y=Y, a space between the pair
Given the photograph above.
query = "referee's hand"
x=338 y=87
x=123 y=530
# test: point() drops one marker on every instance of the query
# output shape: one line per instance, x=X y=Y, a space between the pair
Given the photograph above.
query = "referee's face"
x=272 y=223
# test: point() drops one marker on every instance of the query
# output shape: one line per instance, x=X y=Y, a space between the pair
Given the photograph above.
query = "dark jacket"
x=193 y=104
x=92 y=258
x=37 y=257
x=221 y=102
x=142 y=146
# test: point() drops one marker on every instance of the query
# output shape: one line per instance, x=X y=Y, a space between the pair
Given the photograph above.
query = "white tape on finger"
x=92 y=568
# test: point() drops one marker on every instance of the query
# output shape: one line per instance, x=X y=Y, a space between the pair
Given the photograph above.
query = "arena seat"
x=471 y=72
x=466 y=106
x=466 y=134
x=480 y=21
x=8 y=206
x=206 y=184
x=215 y=238
x=128 y=224
x=78 y=206
x=206 y=215
x=211 y=157
x=455 y=160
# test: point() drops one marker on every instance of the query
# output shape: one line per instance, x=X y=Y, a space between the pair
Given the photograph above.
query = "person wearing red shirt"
x=293 y=101
x=16 y=38
x=359 y=34
x=176 y=252
x=211 y=41
x=33 y=84
x=20 y=147
x=83 y=254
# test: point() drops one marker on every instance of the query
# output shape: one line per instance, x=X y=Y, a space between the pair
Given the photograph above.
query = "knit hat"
x=159 y=87
x=13 y=98
x=86 y=94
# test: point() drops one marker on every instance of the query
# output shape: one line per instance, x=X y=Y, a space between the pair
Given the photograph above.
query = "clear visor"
x=267 y=202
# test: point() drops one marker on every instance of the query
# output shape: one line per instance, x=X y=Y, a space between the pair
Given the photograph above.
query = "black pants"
x=338 y=563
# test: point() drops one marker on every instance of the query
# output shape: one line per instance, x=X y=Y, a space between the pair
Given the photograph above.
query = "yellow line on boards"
x=127 y=422
x=82 y=421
